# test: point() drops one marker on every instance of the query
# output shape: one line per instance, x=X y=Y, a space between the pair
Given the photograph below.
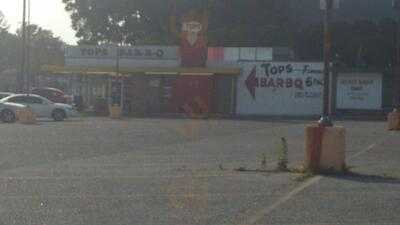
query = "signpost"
x=324 y=143
x=396 y=96
x=327 y=6
x=394 y=117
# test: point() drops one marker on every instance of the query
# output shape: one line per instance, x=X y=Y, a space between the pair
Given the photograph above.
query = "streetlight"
x=396 y=94
x=327 y=6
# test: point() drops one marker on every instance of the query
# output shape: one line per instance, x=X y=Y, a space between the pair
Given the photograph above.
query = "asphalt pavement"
x=182 y=171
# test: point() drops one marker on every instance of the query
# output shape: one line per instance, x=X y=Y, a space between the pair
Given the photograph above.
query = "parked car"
x=8 y=111
x=5 y=94
x=42 y=107
x=53 y=94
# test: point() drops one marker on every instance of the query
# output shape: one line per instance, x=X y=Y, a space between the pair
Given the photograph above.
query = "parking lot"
x=160 y=171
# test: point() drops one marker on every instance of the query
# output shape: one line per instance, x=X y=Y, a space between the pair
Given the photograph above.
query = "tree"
x=362 y=43
x=250 y=23
x=45 y=48
x=232 y=22
x=3 y=23
x=123 y=21
x=366 y=41
x=8 y=46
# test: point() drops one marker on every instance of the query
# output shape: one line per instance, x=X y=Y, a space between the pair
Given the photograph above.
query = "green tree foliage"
x=119 y=21
x=45 y=48
x=367 y=41
x=250 y=23
x=360 y=43
x=8 y=46
x=232 y=22
x=3 y=23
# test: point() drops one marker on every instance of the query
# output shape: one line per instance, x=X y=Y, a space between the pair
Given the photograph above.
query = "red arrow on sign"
x=252 y=82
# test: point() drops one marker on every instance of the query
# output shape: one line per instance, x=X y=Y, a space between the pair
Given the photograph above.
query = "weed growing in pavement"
x=302 y=174
x=221 y=167
x=264 y=161
x=283 y=155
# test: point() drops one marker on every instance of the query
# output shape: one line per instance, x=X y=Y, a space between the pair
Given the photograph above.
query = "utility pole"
x=327 y=6
x=20 y=78
x=396 y=75
x=28 y=51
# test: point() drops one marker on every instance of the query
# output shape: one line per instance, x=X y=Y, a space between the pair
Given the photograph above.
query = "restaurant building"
x=152 y=79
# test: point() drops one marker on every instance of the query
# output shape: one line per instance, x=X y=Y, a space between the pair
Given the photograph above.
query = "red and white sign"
x=324 y=4
x=192 y=29
x=280 y=88
x=193 y=47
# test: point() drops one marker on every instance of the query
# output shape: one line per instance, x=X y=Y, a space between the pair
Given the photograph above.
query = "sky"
x=49 y=14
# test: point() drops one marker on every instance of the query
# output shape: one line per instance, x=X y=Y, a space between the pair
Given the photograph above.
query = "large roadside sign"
x=280 y=88
x=128 y=56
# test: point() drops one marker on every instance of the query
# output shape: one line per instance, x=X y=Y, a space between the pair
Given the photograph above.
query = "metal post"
x=122 y=80
x=20 y=77
x=109 y=89
x=28 y=51
x=396 y=94
x=122 y=93
x=325 y=119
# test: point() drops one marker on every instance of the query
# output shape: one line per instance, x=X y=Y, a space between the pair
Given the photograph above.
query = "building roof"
x=111 y=71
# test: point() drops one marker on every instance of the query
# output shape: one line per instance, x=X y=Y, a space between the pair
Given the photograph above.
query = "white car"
x=41 y=106
x=5 y=94
x=8 y=111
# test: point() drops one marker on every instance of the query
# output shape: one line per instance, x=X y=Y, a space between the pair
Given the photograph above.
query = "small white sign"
x=359 y=91
x=154 y=83
x=324 y=3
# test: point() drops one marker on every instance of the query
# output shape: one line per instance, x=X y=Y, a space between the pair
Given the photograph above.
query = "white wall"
x=281 y=88
x=359 y=91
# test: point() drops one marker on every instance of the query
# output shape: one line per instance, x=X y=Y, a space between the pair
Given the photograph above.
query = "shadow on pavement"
x=366 y=178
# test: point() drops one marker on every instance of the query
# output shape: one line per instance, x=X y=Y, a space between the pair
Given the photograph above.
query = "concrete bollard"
x=313 y=146
x=325 y=148
x=394 y=121
x=115 y=112
x=333 y=154
x=26 y=116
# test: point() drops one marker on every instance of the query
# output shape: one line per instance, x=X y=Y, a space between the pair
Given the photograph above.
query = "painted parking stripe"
x=264 y=212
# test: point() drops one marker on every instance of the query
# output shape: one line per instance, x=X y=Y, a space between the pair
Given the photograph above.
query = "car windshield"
x=199 y=112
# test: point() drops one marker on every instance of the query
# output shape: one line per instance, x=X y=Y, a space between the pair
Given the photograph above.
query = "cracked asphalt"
x=182 y=171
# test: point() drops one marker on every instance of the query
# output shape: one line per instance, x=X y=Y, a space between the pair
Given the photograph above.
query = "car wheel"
x=8 y=116
x=58 y=115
